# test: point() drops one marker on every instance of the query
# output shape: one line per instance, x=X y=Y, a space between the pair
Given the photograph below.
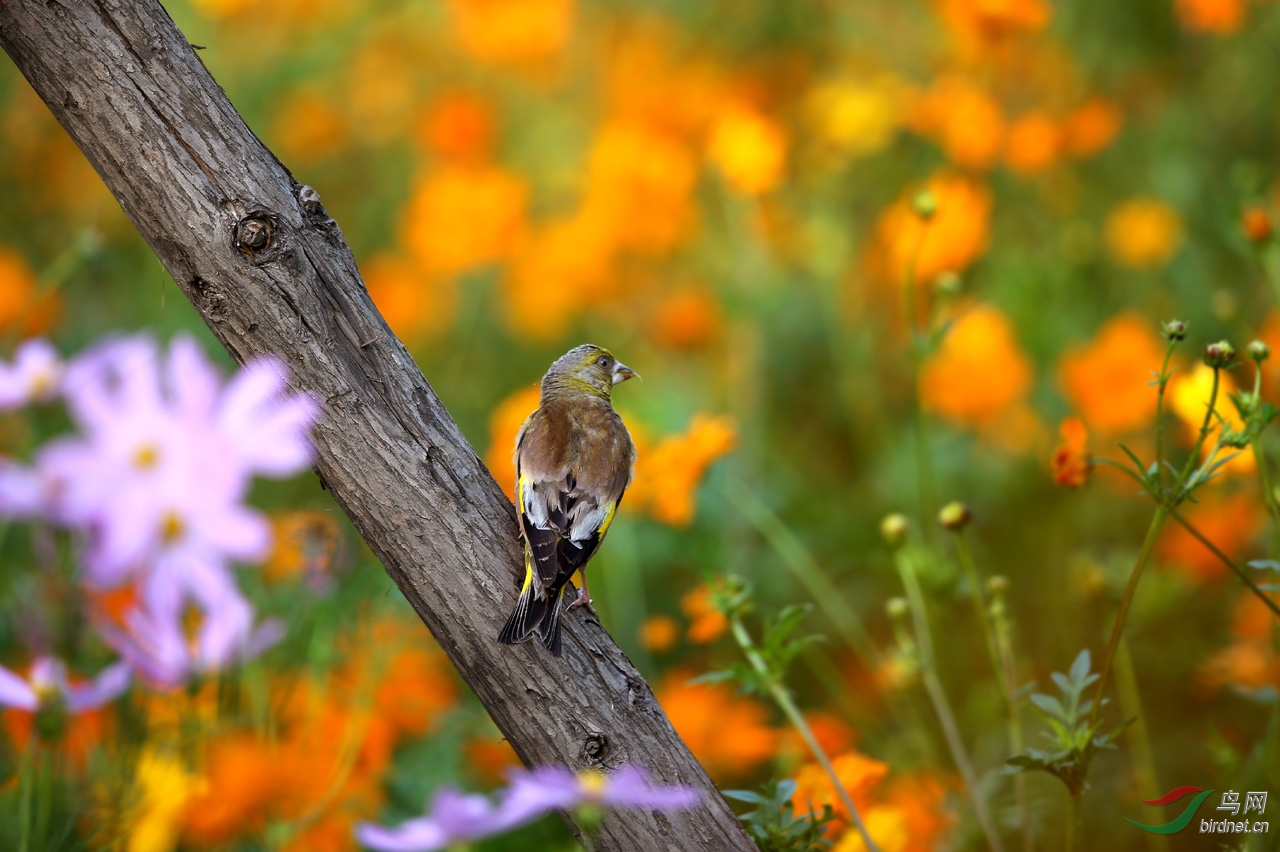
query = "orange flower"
x=567 y=263
x=1229 y=522
x=1143 y=233
x=1033 y=143
x=708 y=623
x=1071 y=464
x=980 y=373
x=727 y=732
x=749 y=149
x=308 y=127
x=490 y=758
x=1091 y=127
x=512 y=31
x=417 y=688
x=910 y=817
x=659 y=633
x=304 y=545
x=1219 y=17
x=1108 y=379
x=667 y=475
x=991 y=20
x=462 y=218
x=504 y=425
x=964 y=119
x=955 y=237
x=1255 y=221
x=1250 y=661
x=20 y=307
x=859 y=775
x=458 y=125
x=640 y=182
x=416 y=303
x=686 y=319
x=832 y=733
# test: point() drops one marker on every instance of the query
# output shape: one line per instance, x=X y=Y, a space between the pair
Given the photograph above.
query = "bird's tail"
x=535 y=614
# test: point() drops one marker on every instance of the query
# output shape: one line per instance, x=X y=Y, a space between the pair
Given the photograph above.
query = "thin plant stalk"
x=1153 y=531
x=780 y=695
x=979 y=604
x=1004 y=646
x=938 y=696
x=1143 y=757
x=924 y=459
x=1162 y=382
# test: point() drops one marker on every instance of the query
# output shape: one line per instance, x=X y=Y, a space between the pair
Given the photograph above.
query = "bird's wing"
x=542 y=484
x=604 y=470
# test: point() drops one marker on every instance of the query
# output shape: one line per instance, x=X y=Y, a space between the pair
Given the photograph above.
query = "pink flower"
x=48 y=683
x=34 y=375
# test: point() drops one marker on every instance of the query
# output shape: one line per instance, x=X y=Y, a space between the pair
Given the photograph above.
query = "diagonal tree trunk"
x=270 y=272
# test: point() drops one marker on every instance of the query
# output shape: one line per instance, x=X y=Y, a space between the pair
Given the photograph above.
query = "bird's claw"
x=582 y=601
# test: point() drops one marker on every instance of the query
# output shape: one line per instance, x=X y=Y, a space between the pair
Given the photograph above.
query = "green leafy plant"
x=775 y=826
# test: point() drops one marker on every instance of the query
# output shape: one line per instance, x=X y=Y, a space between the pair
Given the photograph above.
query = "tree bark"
x=270 y=272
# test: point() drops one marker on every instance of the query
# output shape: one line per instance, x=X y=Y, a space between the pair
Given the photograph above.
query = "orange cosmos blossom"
x=668 y=473
x=659 y=633
x=707 y=623
x=1250 y=661
x=1033 y=143
x=461 y=218
x=1218 y=17
x=964 y=119
x=459 y=125
x=304 y=545
x=950 y=241
x=859 y=774
x=1108 y=379
x=686 y=318
x=1071 y=463
x=1091 y=127
x=991 y=20
x=1231 y=523
x=979 y=374
x=512 y=31
x=910 y=815
x=1143 y=233
x=728 y=733
x=416 y=302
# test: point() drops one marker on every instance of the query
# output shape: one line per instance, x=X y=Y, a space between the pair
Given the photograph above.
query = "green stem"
x=1073 y=822
x=924 y=459
x=1162 y=382
x=941 y=706
x=1004 y=645
x=979 y=604
x=793 y=714
x=1139 y=737
x=1175 y=497
x=1268 y=495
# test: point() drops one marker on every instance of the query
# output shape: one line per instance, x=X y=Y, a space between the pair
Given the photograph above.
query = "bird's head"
x=587 y=369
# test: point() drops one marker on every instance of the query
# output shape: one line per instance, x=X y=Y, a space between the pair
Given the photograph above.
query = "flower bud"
x=925 y=204
x=998 y=585
x=894 y=529
x=1259 y=351
x=949 y=283
x=1234 y=439
x=896 y=607
x=955 y=516
x=1175 y=330
x=1219 y=355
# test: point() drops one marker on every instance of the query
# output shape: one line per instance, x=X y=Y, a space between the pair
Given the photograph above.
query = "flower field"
x=954 y=523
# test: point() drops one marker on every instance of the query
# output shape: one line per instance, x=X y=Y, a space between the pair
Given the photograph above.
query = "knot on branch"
x=254 y=233
x=595 y=749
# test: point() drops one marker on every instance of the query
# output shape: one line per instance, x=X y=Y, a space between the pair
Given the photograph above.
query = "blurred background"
x=743 y=201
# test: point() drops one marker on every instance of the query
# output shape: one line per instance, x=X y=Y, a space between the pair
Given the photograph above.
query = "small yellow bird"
x=574 y=459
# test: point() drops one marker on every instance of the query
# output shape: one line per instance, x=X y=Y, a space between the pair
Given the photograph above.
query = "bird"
x=574 y=459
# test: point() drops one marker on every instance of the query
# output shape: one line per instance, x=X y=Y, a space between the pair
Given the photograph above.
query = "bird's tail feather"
x=534 y=615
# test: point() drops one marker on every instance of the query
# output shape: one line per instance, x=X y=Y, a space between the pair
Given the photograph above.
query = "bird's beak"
x=621 y=372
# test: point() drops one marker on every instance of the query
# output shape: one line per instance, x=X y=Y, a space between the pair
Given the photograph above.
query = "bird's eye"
x=604 y=361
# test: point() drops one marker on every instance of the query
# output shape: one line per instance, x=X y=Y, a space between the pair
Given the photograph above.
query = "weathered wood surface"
x=270 y=272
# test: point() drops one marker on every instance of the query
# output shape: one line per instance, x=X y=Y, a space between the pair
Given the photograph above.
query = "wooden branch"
x=270 y=272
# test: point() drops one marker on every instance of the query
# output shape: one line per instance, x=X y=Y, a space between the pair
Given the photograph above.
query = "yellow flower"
x=462 y=218
x=749 y=149
x=887 y=825
x=667 y=475
x=164 y=789
x=1188 y=396
x=857 y=117
x=1143 y=233
x=979 y=374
